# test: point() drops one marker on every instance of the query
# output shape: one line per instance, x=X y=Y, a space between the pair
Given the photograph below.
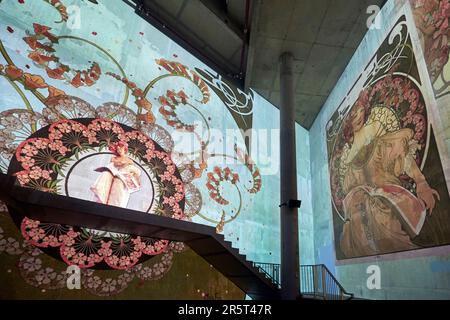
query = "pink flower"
x=29 y=150
x=117 y=129
x=64 y=127
x=79 y=259
x=69 y=252
x=36 y=234
x=150 y=145
x=46 y=174
x=23 y=177
x=29 y=223
x=52 y=241
x=41 y=144
x=113 y=260
x=35 y=173
x=179 y=196
x=77 y=127
x=27 y=162
x=56 y=134
x=106 y=125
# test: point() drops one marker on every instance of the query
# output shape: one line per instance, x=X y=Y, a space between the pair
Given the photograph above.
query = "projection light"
x=292 y=204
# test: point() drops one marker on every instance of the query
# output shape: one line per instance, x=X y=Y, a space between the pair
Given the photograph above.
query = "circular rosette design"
x=35 y=273
x=392 y=103
x=15 y=126
x=68 y=158
x=193 y=200
x=159 y=135
x=118 y=112
x=67 y=107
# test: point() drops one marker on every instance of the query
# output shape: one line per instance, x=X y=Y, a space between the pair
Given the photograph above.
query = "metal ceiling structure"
x=243 y=40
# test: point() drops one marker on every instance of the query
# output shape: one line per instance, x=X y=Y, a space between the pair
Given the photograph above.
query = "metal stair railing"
x=318 y=282
x=270 y=270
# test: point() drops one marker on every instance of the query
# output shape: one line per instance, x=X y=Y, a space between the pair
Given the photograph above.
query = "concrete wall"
x=419 y=274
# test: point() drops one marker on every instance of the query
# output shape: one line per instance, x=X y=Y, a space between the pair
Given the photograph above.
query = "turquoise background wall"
x=421 y=274
x=112 y=35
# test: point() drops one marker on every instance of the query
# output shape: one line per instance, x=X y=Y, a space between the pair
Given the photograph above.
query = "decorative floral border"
x=41 y=160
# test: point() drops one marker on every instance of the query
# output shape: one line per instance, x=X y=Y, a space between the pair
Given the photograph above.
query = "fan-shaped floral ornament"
x=68 y=107
x=36 y=270
x=15 y=126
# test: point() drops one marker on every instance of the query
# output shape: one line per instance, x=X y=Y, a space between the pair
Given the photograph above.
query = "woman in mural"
x=118 y=180
x=381 y=215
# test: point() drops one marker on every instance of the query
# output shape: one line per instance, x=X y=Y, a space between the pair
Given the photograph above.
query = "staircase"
x=202 y=239
x=261 y=281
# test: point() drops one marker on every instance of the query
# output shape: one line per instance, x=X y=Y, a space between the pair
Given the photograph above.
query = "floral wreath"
x=40 y=161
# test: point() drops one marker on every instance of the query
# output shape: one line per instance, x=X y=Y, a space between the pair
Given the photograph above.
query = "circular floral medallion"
x=104 y=161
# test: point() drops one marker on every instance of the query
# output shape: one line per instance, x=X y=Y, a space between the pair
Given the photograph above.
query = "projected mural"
x=388 y=188
x=117 y=114
x=431 y=18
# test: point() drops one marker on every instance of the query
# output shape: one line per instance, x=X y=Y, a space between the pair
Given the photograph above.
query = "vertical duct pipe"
x=288 y=167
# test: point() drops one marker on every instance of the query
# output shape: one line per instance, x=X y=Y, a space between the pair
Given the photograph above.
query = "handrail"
x=270 y=270
x=315 y=281
x=319 y=282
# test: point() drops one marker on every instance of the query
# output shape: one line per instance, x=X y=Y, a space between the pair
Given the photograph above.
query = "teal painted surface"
x=404 y=277
x=305 y=218
x=135 y=45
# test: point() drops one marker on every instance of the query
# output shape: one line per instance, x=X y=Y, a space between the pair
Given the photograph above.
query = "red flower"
x=44 y=30
x=34 y=82
x=13 y=72
x=138 y=93
x=144 y=103
x=147 y=118
x=40 y=29
x=87 y=80
x=95 y=71
x=56 y=73
x=31 y=41
x=40 y=58
x=76 y=81
x=54 y=92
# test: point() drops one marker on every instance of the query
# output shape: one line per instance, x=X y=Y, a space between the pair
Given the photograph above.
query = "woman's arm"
x=424 y=192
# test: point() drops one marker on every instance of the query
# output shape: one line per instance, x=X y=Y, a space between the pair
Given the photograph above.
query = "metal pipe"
x=289 y=215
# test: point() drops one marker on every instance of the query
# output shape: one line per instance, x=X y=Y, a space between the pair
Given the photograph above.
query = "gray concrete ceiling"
x=214 y=30
x=243 y=39
x=323 y=36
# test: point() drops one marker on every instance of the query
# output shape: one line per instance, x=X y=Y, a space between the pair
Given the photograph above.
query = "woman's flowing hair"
x=113 y=147
x=363 y=101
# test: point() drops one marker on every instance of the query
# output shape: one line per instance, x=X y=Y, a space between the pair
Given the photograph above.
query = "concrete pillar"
x=289 y=216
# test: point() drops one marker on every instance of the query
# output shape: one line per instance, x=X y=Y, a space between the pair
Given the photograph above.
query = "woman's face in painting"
x=357 y=116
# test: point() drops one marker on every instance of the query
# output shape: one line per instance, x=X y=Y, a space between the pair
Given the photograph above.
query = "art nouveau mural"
x=387 y=180
x=431 y=18
x=432 y=24
x=111 y=111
